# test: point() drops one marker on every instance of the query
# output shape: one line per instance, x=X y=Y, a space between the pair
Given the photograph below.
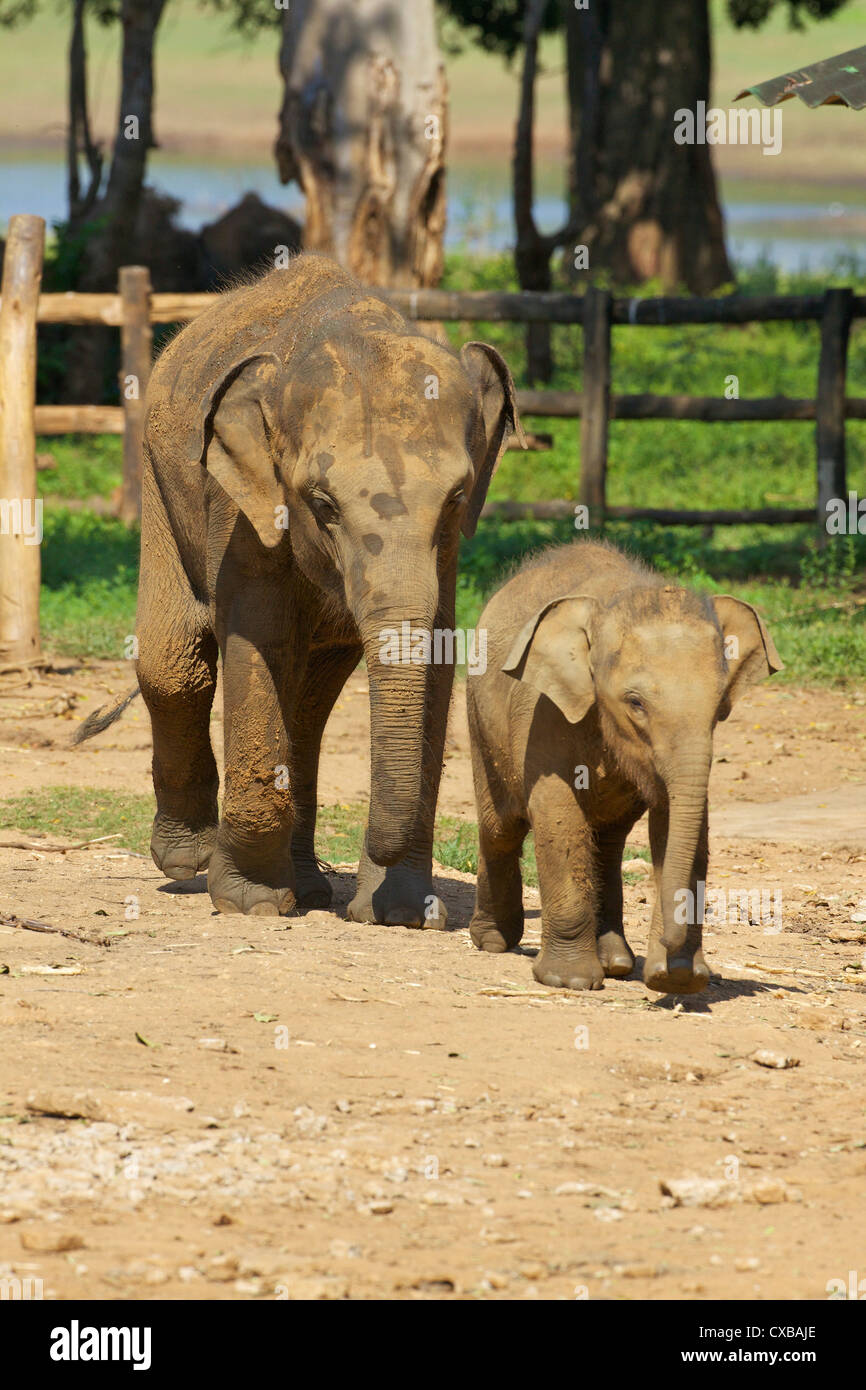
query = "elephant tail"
x=101 y=718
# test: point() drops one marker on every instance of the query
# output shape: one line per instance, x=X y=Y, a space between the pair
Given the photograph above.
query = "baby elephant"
x=603 y=685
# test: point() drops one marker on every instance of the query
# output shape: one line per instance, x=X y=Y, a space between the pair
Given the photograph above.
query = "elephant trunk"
x=686 y=783
x=397 y=667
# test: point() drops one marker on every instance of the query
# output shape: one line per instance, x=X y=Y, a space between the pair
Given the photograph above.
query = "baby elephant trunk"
x=398 y=686
x=687 y=793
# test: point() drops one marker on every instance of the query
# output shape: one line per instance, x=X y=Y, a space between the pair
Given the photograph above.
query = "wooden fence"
x=134 y=309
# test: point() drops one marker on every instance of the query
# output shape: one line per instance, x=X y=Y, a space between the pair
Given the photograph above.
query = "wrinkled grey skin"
x=310 y=460
x=596 y=663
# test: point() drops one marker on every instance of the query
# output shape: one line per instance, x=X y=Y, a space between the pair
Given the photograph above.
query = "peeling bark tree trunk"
x=112 y=219
x=645 y=206
x=362 y=129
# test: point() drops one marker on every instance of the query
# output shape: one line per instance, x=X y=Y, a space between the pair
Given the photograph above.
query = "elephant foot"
x=488 y=935
x=254 y=885
x=312 y=888
x=568 y=972
x=615 y=954
x=178 y=851
x=396 y=897
x=685 y=974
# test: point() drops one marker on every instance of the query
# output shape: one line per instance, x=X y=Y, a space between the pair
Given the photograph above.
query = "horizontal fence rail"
x=135 y=309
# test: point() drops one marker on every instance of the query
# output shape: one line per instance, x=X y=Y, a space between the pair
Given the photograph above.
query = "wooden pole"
x=20 y=510
x=830 y=406
x=596 y=402
x=136 y=337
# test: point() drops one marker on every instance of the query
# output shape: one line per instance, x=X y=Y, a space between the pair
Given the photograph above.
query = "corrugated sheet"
x=839 y=81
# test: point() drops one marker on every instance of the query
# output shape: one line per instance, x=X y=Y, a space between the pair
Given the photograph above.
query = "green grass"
x=86 y=812
x=85 y=466
x=81 y=813
x=89 y=582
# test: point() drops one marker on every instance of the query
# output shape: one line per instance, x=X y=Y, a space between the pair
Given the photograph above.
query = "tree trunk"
x=363 y=127
x=645 y=206
x=532 y=251
x=110 y=223
x=79 y=138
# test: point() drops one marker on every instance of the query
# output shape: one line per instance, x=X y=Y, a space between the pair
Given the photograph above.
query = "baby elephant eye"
x=323 y=507
x=635 y=704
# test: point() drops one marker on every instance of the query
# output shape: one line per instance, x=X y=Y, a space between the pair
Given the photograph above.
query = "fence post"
x=136 y=338
x=830 y=405
x=20 y=511
x=596 y=402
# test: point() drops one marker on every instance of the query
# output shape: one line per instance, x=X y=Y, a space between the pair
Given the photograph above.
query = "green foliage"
x=753 y=13
x=497 y=25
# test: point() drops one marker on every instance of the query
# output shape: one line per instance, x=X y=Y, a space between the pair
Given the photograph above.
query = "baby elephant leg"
x=497 y=922
x=613 y=950
x=565 y=853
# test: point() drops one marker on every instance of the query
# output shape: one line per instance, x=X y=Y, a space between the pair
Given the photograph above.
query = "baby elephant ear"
x=237 y=424
x=749 y=649
x=496 y=418
x=551 y=653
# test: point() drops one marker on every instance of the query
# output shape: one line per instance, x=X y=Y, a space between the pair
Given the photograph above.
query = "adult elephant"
x=310 y=460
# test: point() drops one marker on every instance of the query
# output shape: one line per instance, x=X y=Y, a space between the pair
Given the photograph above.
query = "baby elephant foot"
x=179 y=851
x=615 y=954
x=396 y=897
x=312 y=888
x=686 y=973
x=251 y=880
x=489 y=935
x=575 y=971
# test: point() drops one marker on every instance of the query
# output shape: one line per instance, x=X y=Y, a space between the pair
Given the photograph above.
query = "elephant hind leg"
x=176 y=669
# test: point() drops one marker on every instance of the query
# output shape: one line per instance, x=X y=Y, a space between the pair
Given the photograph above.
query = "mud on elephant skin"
x=310 y=461
x=603 y=686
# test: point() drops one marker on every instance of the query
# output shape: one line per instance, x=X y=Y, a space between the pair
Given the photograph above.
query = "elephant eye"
x=455 y=498
x=635 y=704
x=323 y=507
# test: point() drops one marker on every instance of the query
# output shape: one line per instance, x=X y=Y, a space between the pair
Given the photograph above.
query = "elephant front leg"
x=251 y=867
x=565 y=853
x=402 y=895
x=328 y=669
x=614 y=951
x=688 y=973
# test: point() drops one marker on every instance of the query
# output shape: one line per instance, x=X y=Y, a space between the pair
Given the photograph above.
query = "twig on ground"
x=58 y=849
x=8 y=919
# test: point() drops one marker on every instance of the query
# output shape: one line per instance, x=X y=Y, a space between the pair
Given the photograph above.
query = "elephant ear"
x=551 y=653
x=496 y=418
x=237 y=425
x=749 y=649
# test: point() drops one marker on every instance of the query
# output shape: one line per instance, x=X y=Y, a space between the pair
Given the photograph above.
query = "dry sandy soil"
x=200 y=1106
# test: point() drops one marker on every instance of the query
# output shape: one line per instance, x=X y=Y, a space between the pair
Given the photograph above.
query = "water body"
x=813 y=232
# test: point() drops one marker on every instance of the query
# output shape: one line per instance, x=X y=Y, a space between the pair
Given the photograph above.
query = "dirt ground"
x=199 y=1106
